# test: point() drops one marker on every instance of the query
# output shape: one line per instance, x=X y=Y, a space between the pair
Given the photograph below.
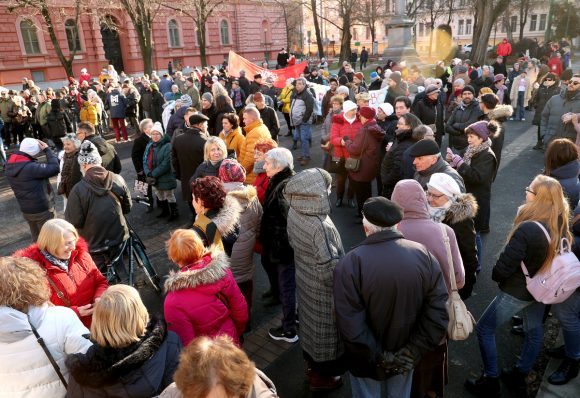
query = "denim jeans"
x=479 y=245
x=303 y=133
x=500 y=311
x=395 y=387
x=521 y=109
x=568 y=313
x=2 y=151
x=287 y=286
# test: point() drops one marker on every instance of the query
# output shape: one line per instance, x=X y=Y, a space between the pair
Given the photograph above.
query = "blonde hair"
x=206 y=363
x=120 y=317
x=214 y=141
x=184 y=247
x=22 y=283
x=549 y=207
x=51 y=235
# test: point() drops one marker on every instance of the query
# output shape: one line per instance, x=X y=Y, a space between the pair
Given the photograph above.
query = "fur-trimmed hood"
x=211 y=268
x=464 y=207
x=501 y=113
x=228 y=216
x=105 y=366
x=32 y=252
x=244 y=196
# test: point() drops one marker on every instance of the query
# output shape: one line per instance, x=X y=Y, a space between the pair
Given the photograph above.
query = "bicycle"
x=134 y=249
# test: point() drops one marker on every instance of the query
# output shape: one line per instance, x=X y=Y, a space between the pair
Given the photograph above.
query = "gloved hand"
x=407 y=358
x=386 y=366
x=151 y=180
x=456 y=161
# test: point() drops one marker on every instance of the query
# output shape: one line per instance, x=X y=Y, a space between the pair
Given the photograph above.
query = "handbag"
x=335 y=165
x=353 y=164
x=40 y=341
x=461 y=322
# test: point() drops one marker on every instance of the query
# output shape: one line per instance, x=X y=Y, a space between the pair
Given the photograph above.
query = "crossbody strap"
x=449 y=258
x=547 y=235
x=42 y=344
x=59 y=294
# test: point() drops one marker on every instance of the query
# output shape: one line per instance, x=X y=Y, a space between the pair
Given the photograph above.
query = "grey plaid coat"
x=317 y=249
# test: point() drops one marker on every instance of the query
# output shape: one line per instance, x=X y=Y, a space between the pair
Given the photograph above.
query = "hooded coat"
x=500 y=114
x=418 y=227
x=30 y=182
x=81 y=285
x=160 y=153
x=107 y=152
x=25 y=370
x=203 y=299
x=242 y=257
x=141 y=370
x=95 y=213
x=116 y=104
x=367 y=147
x=235 y=141
x=317 y=250
x=176 y=121
x=392 y=164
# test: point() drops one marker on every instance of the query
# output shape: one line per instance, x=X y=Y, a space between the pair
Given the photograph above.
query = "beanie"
x=374 y=76
x=231 y=171
x=480 y=128
x=30 y=147
x=468 y=88
x=386 y=108
x=343 y=90
x=348 y=106
x=186 y=100
x=88 y=154
x=207 y=96
x=367 y=112
x=396 y=77
x=359 y=76
x=157 y=127
x=445 y=184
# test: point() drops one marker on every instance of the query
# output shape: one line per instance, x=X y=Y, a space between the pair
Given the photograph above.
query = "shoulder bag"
x=59 y=294
x=461 y=322
x=353 y=163
x=40 y=341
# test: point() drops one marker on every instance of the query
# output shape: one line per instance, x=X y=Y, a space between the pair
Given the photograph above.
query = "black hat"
x=382 y=212
x=197 y=118
x=567 y=75
x=257 y=76
x=424 y=148
x=468 y=88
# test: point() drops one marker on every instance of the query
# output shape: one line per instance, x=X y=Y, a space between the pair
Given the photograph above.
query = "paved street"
x=283 y=362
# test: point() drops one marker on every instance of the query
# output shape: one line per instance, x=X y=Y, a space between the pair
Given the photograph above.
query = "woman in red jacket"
x=74 y=279
x=346 y=125
x=261 y=182
x=203 y=298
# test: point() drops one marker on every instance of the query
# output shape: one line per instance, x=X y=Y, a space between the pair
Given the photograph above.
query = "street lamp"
x=266 y=54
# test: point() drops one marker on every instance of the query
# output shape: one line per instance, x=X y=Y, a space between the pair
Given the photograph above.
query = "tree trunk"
x=317 y=29
x=201 y=41
x=508 y=29
x=66 y=63
x=287 y=29
x=486 y=16
x=373 y=37
x=144 y=37
x=345 y=40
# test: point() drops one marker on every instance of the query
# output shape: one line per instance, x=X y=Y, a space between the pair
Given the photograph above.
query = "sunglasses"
x=549 y=80
x=576 y=83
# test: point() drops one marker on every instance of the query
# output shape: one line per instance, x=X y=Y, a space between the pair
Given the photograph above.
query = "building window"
x=468 y=26
x=355 y=34
x=421 y=29
x=72 y=35
x=225 y=32
x=29 y=37
x=533 y=22
x=460 y=28
x=514 y=23
x=543 y=19
x=173 y=29
x=503 y=26
x=38 y=76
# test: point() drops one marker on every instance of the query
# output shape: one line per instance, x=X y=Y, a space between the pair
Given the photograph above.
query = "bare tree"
x=199 y=11
x=434 y=9
x=292 y=18
x=486 y=13
x=368 y=13
x=317 y=28
x=53 y=16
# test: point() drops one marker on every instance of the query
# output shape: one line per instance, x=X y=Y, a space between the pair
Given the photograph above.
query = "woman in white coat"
x=25 y=368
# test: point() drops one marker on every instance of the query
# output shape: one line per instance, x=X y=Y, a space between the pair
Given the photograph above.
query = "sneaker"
x=280 y=335
x=567 y=371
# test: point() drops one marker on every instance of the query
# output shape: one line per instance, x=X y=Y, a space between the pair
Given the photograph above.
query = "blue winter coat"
x=567 y=175
x=176 y=121
x=116 y=104
x=29 y=181
x=161 y=169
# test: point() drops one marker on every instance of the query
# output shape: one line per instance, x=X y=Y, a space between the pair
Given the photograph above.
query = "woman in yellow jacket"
x=89 y=113
x=232 y=134
x=285 y=97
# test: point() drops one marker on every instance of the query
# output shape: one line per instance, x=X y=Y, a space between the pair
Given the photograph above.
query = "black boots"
x=484 y=386
x=567 y=371
x=515 y=381
x=173 y=213
x=164 y=206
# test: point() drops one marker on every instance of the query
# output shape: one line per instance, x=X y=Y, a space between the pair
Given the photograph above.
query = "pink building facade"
x=253 y=29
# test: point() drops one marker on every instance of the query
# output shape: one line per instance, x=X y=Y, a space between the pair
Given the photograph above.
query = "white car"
x=467 y=49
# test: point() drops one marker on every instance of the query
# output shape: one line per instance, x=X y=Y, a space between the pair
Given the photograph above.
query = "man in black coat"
x=110 y=159
x=390 y=302
x=430 y=111
x=256 y=85
x=187 y=153
x=466 y=113
x=364 y=58
x=282 y=58
x=268 y=115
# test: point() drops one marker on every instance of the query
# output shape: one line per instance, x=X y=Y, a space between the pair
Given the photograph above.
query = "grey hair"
x=371 y=228
x=281 y=157
x=303 y=80
x=429 y=81
x=252 y=110
x=459 y=81
x=143 y=123
x=72 y=138
x=421 y=131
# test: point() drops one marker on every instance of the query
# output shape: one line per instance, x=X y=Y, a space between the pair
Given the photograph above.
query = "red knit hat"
x=367 y=112
x=359 y=76
x=232 y=171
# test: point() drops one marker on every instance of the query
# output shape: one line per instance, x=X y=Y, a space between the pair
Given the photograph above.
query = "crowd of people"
x=377 y=312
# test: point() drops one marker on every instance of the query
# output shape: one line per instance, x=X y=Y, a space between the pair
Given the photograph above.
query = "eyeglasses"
x=432 y=195
x=549 y=80
x=574 y=83
x=528 y=189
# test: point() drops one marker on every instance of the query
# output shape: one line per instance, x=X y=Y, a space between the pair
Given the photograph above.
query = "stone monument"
x=400 y=37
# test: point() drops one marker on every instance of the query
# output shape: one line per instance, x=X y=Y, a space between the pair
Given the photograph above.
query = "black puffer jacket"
x=431 y=113
x=273 y=234
x=383 y=306
x=140 y=370
x=138 y=151
x=108 y=153
x=528 y=244
x=29 y=181
x=58 y=124
x=392 y=165
x=541 y=97
x=461 y=117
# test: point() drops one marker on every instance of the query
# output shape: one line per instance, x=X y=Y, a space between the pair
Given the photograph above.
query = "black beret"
x=424 y=148
x=257 y=76
x=468 y=88
x=197 y=118
x=382 y=212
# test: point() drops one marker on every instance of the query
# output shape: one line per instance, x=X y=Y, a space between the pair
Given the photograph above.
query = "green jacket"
x=42 y=113
x=161 y=167
x=5 y=107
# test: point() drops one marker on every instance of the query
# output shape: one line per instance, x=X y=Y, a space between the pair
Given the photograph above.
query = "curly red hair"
x=265 y=144
x=210 y=190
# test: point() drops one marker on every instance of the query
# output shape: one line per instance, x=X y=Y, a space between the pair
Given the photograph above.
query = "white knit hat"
x=387 y=108
x=445 y=184
x=157 y=127
x=30 y=146
x=88 y=154
x=348 y=106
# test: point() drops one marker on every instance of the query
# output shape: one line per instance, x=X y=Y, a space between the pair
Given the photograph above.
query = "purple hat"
x=499 y=77
x=232 y=171
x=480 y=128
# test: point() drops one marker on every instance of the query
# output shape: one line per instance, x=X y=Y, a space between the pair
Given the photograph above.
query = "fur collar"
x=201 y=273
x=228 y=216
x=32 y=252
x=102 y=366
x=500 y=113
x=244 y=196
x=464 y=207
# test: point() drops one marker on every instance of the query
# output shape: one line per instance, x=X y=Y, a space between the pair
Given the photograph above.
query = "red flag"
x=236 y=63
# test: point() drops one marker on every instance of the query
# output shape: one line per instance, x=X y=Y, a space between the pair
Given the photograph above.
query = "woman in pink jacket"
x=203 y=298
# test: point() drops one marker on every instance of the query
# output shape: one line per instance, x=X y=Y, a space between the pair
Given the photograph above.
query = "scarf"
x=259 y=167
x=150 y=158
x=350 y=121
x=62 y=264
x=438 y=213
x=67 y=169
x=472 y=151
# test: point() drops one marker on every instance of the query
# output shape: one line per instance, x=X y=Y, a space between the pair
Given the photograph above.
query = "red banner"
x=236 y=63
